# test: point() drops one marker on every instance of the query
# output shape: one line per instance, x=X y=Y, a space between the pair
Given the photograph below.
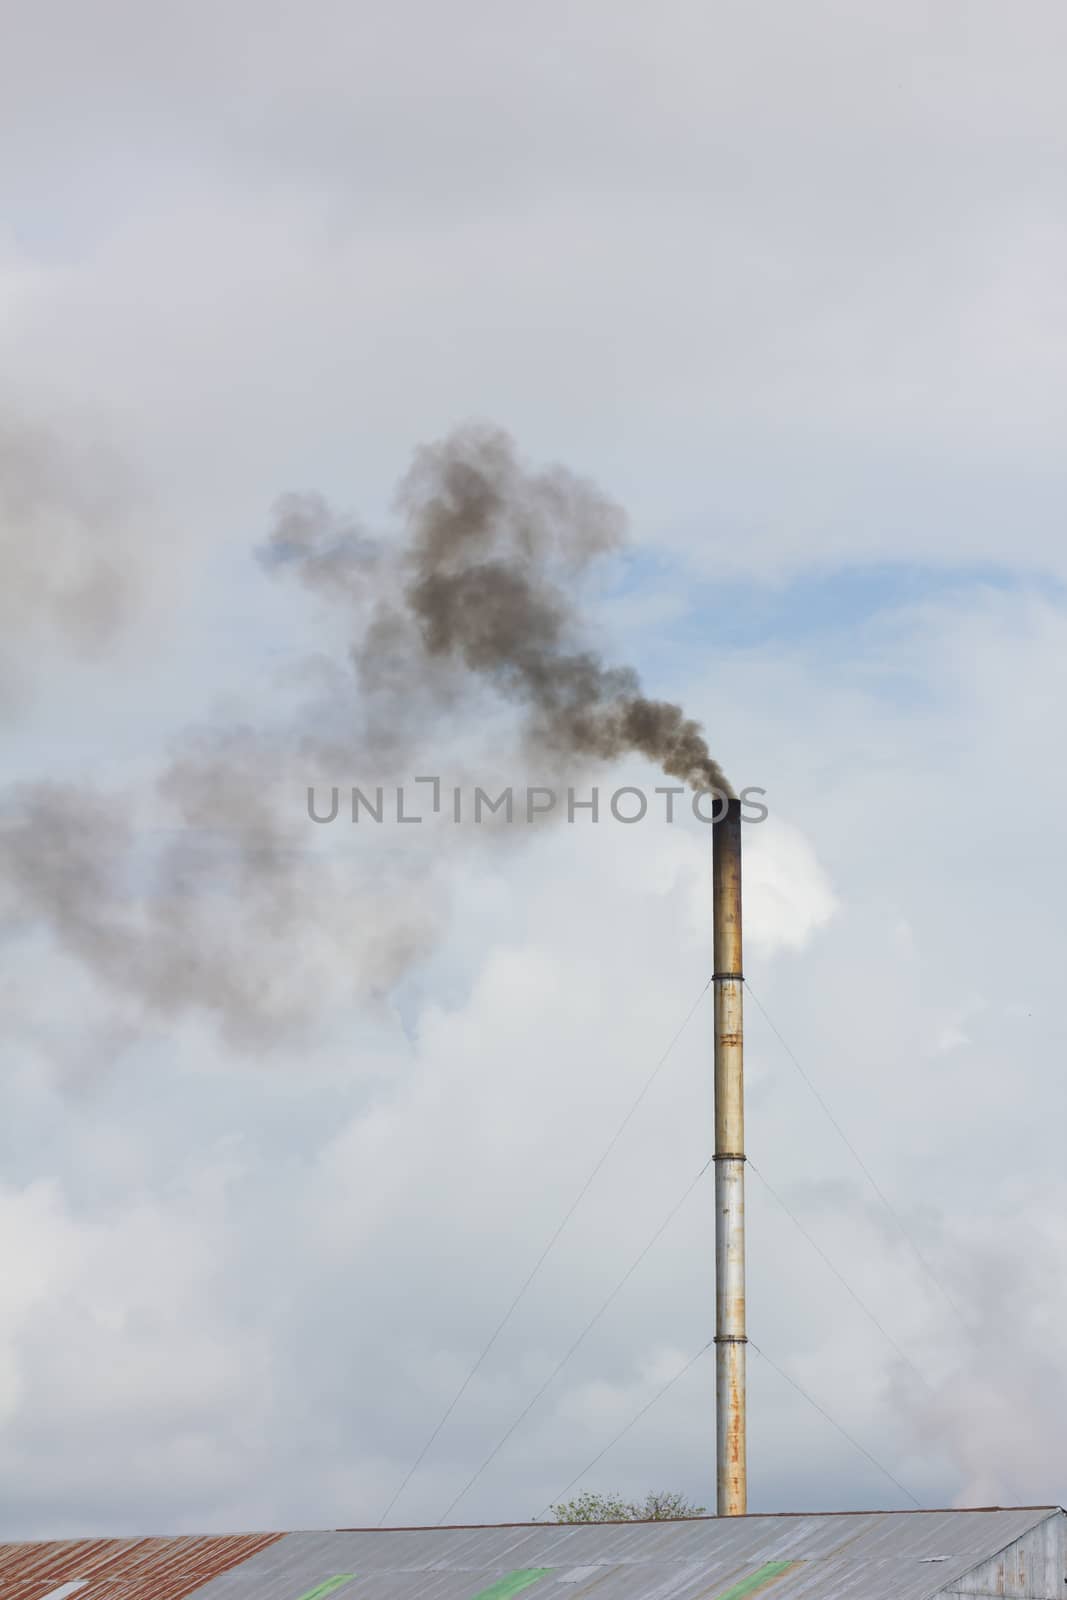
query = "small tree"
x=591 y=1507
x=664 y=1505
x=661 y=1505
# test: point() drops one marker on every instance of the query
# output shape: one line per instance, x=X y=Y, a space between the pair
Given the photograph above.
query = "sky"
x=788 y=286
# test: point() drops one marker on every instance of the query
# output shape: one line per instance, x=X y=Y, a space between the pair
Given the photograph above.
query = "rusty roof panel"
x=122 y=1569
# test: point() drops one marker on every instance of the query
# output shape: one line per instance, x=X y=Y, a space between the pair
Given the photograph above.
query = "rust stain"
x=124 y=1569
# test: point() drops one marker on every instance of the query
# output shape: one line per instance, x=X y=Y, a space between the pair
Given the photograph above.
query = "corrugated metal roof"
x=864 y=1556
x=122 y=1569
x=838 y=1556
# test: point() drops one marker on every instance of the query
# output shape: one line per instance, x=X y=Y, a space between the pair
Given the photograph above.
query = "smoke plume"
x=67 y=556
x=209 y=895
x=482 y=581
x=226 y=919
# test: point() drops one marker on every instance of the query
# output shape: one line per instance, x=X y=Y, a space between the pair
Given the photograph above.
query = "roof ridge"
x=751 y=1516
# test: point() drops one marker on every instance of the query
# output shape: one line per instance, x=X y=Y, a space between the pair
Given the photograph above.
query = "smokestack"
x=730 y=1340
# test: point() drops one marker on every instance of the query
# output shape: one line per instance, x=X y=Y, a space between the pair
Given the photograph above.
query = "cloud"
x=667 y=252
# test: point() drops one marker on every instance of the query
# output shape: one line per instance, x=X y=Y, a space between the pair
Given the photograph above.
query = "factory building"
x=882 y=1555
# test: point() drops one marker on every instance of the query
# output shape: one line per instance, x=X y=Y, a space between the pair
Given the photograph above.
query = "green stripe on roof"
x=329 y=1586
x=514 y=1583
x=756 y=1580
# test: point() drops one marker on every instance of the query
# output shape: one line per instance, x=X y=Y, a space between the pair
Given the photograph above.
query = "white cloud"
x=795 y=292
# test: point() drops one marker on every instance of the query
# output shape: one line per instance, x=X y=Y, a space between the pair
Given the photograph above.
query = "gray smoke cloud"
x=219 y=912
x=67 y=554
x=482 y=584
x=222 y=905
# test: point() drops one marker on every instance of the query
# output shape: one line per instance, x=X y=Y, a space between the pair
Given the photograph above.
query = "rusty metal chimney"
x=730 y=1339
